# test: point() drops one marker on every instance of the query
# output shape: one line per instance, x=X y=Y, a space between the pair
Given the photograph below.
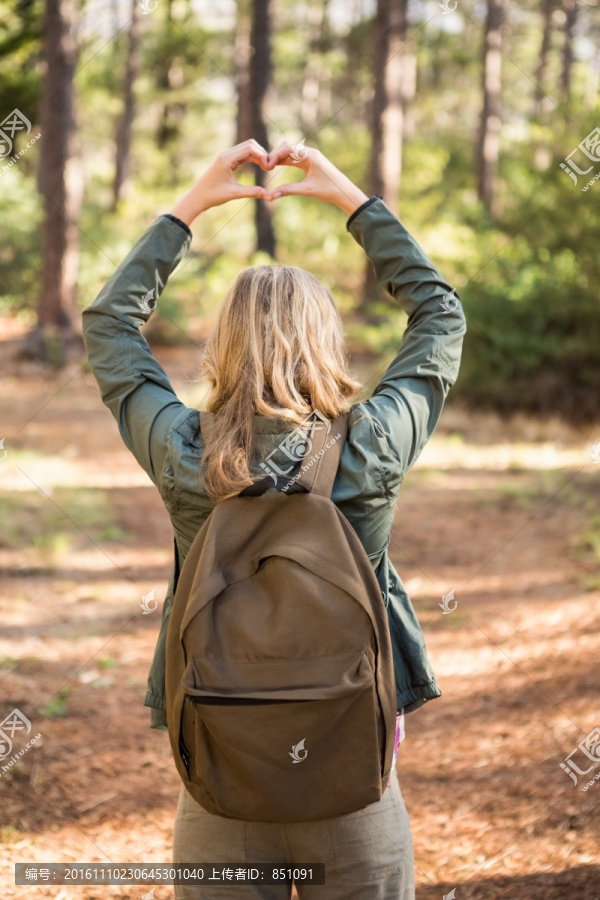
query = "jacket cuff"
x=364 y=205
x=178 y=222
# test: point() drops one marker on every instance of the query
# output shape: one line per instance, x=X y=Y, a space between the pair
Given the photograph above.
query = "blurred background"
x=479 y=124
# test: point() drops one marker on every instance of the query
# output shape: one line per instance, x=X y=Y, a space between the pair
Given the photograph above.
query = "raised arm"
x=407 y=402
x=132 y=383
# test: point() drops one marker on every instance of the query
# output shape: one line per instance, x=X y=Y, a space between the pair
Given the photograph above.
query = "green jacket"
x=386 y=433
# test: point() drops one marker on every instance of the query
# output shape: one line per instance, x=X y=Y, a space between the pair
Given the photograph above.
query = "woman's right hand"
x=323 y=180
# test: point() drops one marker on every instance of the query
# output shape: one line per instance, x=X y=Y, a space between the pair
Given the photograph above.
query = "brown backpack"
x=280 y=690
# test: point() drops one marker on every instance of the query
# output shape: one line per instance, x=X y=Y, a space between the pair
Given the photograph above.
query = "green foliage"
x=53 y=526
x=106 y=662
x=527 y=278
x=588 y=542
x=57 y=705
x=20 y=33
x=532 y=305
x=20 y=257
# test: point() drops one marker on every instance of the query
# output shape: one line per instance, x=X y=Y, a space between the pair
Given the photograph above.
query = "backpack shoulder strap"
x=206 y=419
x=323 y=457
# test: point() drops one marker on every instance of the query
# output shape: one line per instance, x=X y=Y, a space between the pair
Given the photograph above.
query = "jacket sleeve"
x=407 y=403
x=133 y=385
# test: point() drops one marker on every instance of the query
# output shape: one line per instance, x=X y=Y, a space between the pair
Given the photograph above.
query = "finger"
x=251 y=144
x=249 y=151
x=252 y=156
x=260 y=152
x=295 y=189
x=250 y=190
x=260 y=159
x=276 y=157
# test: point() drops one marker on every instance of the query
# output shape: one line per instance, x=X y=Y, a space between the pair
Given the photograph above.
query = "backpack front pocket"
x=280 y=740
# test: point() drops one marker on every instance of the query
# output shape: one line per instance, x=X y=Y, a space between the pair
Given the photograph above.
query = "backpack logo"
x=295 y=754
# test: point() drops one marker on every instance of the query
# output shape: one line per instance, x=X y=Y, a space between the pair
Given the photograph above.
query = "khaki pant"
x=368 y=854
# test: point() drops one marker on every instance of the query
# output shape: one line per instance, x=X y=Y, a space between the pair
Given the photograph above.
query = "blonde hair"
x=277 y=350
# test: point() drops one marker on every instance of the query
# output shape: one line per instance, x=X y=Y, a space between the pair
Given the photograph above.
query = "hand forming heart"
x=218 y=185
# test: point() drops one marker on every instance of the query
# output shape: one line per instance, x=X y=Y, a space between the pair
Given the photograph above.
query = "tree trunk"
x=488 y=147
x=317 y=17
x=125 y=124
x=571 y=10
x=243 y=51
x=547 y=8
x=409 y=91
x=60 y=181
x=254 y=79
x=388 y=112
x=170 y=78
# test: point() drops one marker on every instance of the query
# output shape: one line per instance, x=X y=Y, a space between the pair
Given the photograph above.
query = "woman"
x=276 y=354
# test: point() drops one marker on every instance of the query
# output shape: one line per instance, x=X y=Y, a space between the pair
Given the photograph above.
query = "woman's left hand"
x=218 y=185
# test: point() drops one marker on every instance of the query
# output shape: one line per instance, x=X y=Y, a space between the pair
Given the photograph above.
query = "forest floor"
x=506 y=514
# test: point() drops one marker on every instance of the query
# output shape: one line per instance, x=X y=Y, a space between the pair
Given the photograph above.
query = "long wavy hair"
x=277 y=350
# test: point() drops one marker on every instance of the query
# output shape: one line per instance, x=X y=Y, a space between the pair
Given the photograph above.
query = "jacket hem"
x=158 y=715
x=154 y=701
x=414 y=698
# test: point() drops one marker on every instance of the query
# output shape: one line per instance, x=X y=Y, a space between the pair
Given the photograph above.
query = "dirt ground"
x=504 y=514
